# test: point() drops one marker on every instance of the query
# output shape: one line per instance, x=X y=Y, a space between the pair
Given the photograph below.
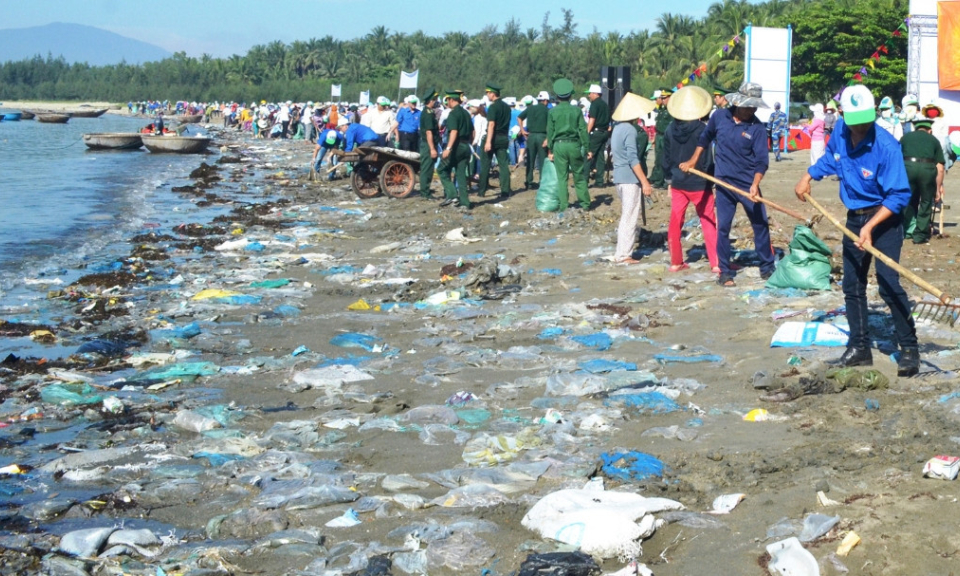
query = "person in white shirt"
x=283 y=117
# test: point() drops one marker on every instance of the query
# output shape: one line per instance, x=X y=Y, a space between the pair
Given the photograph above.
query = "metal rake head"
x=937 y=312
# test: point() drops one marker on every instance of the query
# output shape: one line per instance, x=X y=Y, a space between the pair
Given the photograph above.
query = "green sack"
x=547 y=198
x=807 y=267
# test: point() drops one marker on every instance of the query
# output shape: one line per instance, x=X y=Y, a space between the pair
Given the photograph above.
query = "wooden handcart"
x=378 y=169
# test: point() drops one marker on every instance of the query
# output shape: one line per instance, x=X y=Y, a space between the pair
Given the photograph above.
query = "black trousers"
x=410 y=141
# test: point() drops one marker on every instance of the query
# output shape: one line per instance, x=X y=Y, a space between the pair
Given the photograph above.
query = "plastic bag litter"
x=456 y=235
x=358 y=340
x=816 y=525
x=631 y=466
x=600 y=366
x=431 y=414
x=644 y=402
x=459 y=552
x=194 y=422
x=400 y=482
x=790 y=558
x=487 y=450
x=346 y=520
x=633 y=568
x=307 y=497
x=671 y=432
x=560 y=564
x=807 y=267
x=547 y=199
x=85 y=543
x=183 y=370
x=599 y=341
x=471 y=496
x=329 y=377
x=605 y=524
x=214 y=294
x=726 y=503
x=411 y=562
x=70 y=394
x=441 y=434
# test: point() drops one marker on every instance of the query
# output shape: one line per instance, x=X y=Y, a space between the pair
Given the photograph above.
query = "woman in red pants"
x=689 y=107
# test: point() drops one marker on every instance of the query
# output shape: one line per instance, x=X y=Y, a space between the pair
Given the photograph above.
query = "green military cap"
x=455 y=94
x=491 y=87
x=563 y=88
x=429 y=95
x=664 y=92
x=717 y=91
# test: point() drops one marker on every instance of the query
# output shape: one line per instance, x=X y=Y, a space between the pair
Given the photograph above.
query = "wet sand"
x=868 y=461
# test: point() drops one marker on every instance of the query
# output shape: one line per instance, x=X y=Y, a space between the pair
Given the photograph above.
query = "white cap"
x=595 y=89
x=510 y=100
x=657 y=94
x=473 y=103
x=543 y=95
x=383 y=101
x=858 y=105
x=343 y=121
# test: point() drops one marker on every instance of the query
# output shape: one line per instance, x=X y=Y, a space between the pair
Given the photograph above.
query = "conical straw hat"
x=690 y=103
x=632 y=107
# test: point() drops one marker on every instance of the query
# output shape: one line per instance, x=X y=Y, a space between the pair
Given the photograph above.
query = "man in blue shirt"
x=875 y=189
x=742 y=158
x=328 y=140
x=408 y=125
x=356 y=135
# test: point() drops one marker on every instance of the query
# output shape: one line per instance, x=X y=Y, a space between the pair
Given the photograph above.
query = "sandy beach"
x=401 y=440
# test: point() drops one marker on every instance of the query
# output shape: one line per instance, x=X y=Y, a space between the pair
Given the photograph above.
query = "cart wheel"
x=397 y=179
x=364 y=181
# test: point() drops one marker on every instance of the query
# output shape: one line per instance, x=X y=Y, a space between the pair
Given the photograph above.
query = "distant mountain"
x=76 y=43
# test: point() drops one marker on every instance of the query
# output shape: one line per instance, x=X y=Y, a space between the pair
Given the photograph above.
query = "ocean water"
x=66 y=210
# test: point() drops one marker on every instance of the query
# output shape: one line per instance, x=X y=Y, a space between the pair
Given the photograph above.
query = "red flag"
x=883 y=49
x=876 y=56
x=897 y=33
x=857 y=77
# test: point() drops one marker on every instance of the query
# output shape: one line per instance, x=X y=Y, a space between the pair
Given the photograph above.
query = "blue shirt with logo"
x=358 y=134
x=408 y=120
x=741 y=150
x=872 y=173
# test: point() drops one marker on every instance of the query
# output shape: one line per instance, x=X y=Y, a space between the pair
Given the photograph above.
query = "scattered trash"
x=756 y=415
x=559 y=564
x=789 y=558
x=805 y=334
x=816 y=525
x=825 y=501
x=631 y=466
x=602 y=523
x=348 y=519
x=726 y=503
x=848 y=543
x=942 y=467
x=807 y=266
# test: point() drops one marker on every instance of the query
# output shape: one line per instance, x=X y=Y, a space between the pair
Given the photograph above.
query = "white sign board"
x=923 y=73
x=768 y=64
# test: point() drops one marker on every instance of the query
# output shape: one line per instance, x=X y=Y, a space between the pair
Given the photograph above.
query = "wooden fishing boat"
x=88 y=112
x=113 y=141
x=175 y=144
x=53 y=118
x=12 y=116
x=189 y=119
x=27 y=115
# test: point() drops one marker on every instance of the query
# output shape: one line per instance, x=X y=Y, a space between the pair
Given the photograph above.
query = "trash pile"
x=330 y=387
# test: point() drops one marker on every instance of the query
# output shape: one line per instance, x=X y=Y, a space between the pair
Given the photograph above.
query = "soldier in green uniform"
x=429 y=142
x=533 y=126
x=923 y=158
x=661 y=96
x=598 y=127
x=497 y=142
x=720 y=97
x=456 y=155
x=566 y=140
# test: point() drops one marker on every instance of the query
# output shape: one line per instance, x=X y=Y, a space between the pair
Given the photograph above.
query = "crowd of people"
x=890 y=164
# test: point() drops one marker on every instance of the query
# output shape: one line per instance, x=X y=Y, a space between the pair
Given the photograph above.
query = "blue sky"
x=225 y=27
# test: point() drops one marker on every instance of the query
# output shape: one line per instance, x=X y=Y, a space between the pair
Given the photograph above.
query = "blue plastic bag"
x=631 y=466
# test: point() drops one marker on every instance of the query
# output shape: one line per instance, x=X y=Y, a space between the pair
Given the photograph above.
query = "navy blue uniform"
x=741 y=153
x=871 y=175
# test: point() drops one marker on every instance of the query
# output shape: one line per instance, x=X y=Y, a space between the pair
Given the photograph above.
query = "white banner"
x=365 y=97
x=767 y=63
x=335 y=91
x=409 y=79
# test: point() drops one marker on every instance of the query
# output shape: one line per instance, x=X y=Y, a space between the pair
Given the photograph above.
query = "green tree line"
x=832 y=39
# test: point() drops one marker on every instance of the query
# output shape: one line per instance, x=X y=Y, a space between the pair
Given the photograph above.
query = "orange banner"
x=948 y=44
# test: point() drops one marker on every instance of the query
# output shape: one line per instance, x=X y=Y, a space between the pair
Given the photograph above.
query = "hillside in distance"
x=76 y=43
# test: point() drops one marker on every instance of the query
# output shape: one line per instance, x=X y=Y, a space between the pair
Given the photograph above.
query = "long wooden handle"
x=773 y=205
x=918 y=281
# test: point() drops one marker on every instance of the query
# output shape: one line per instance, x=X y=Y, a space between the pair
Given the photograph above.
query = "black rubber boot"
x=909 y=362
x=854 y=357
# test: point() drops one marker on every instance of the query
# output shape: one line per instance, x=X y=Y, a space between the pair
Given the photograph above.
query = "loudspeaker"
x=614 y=82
